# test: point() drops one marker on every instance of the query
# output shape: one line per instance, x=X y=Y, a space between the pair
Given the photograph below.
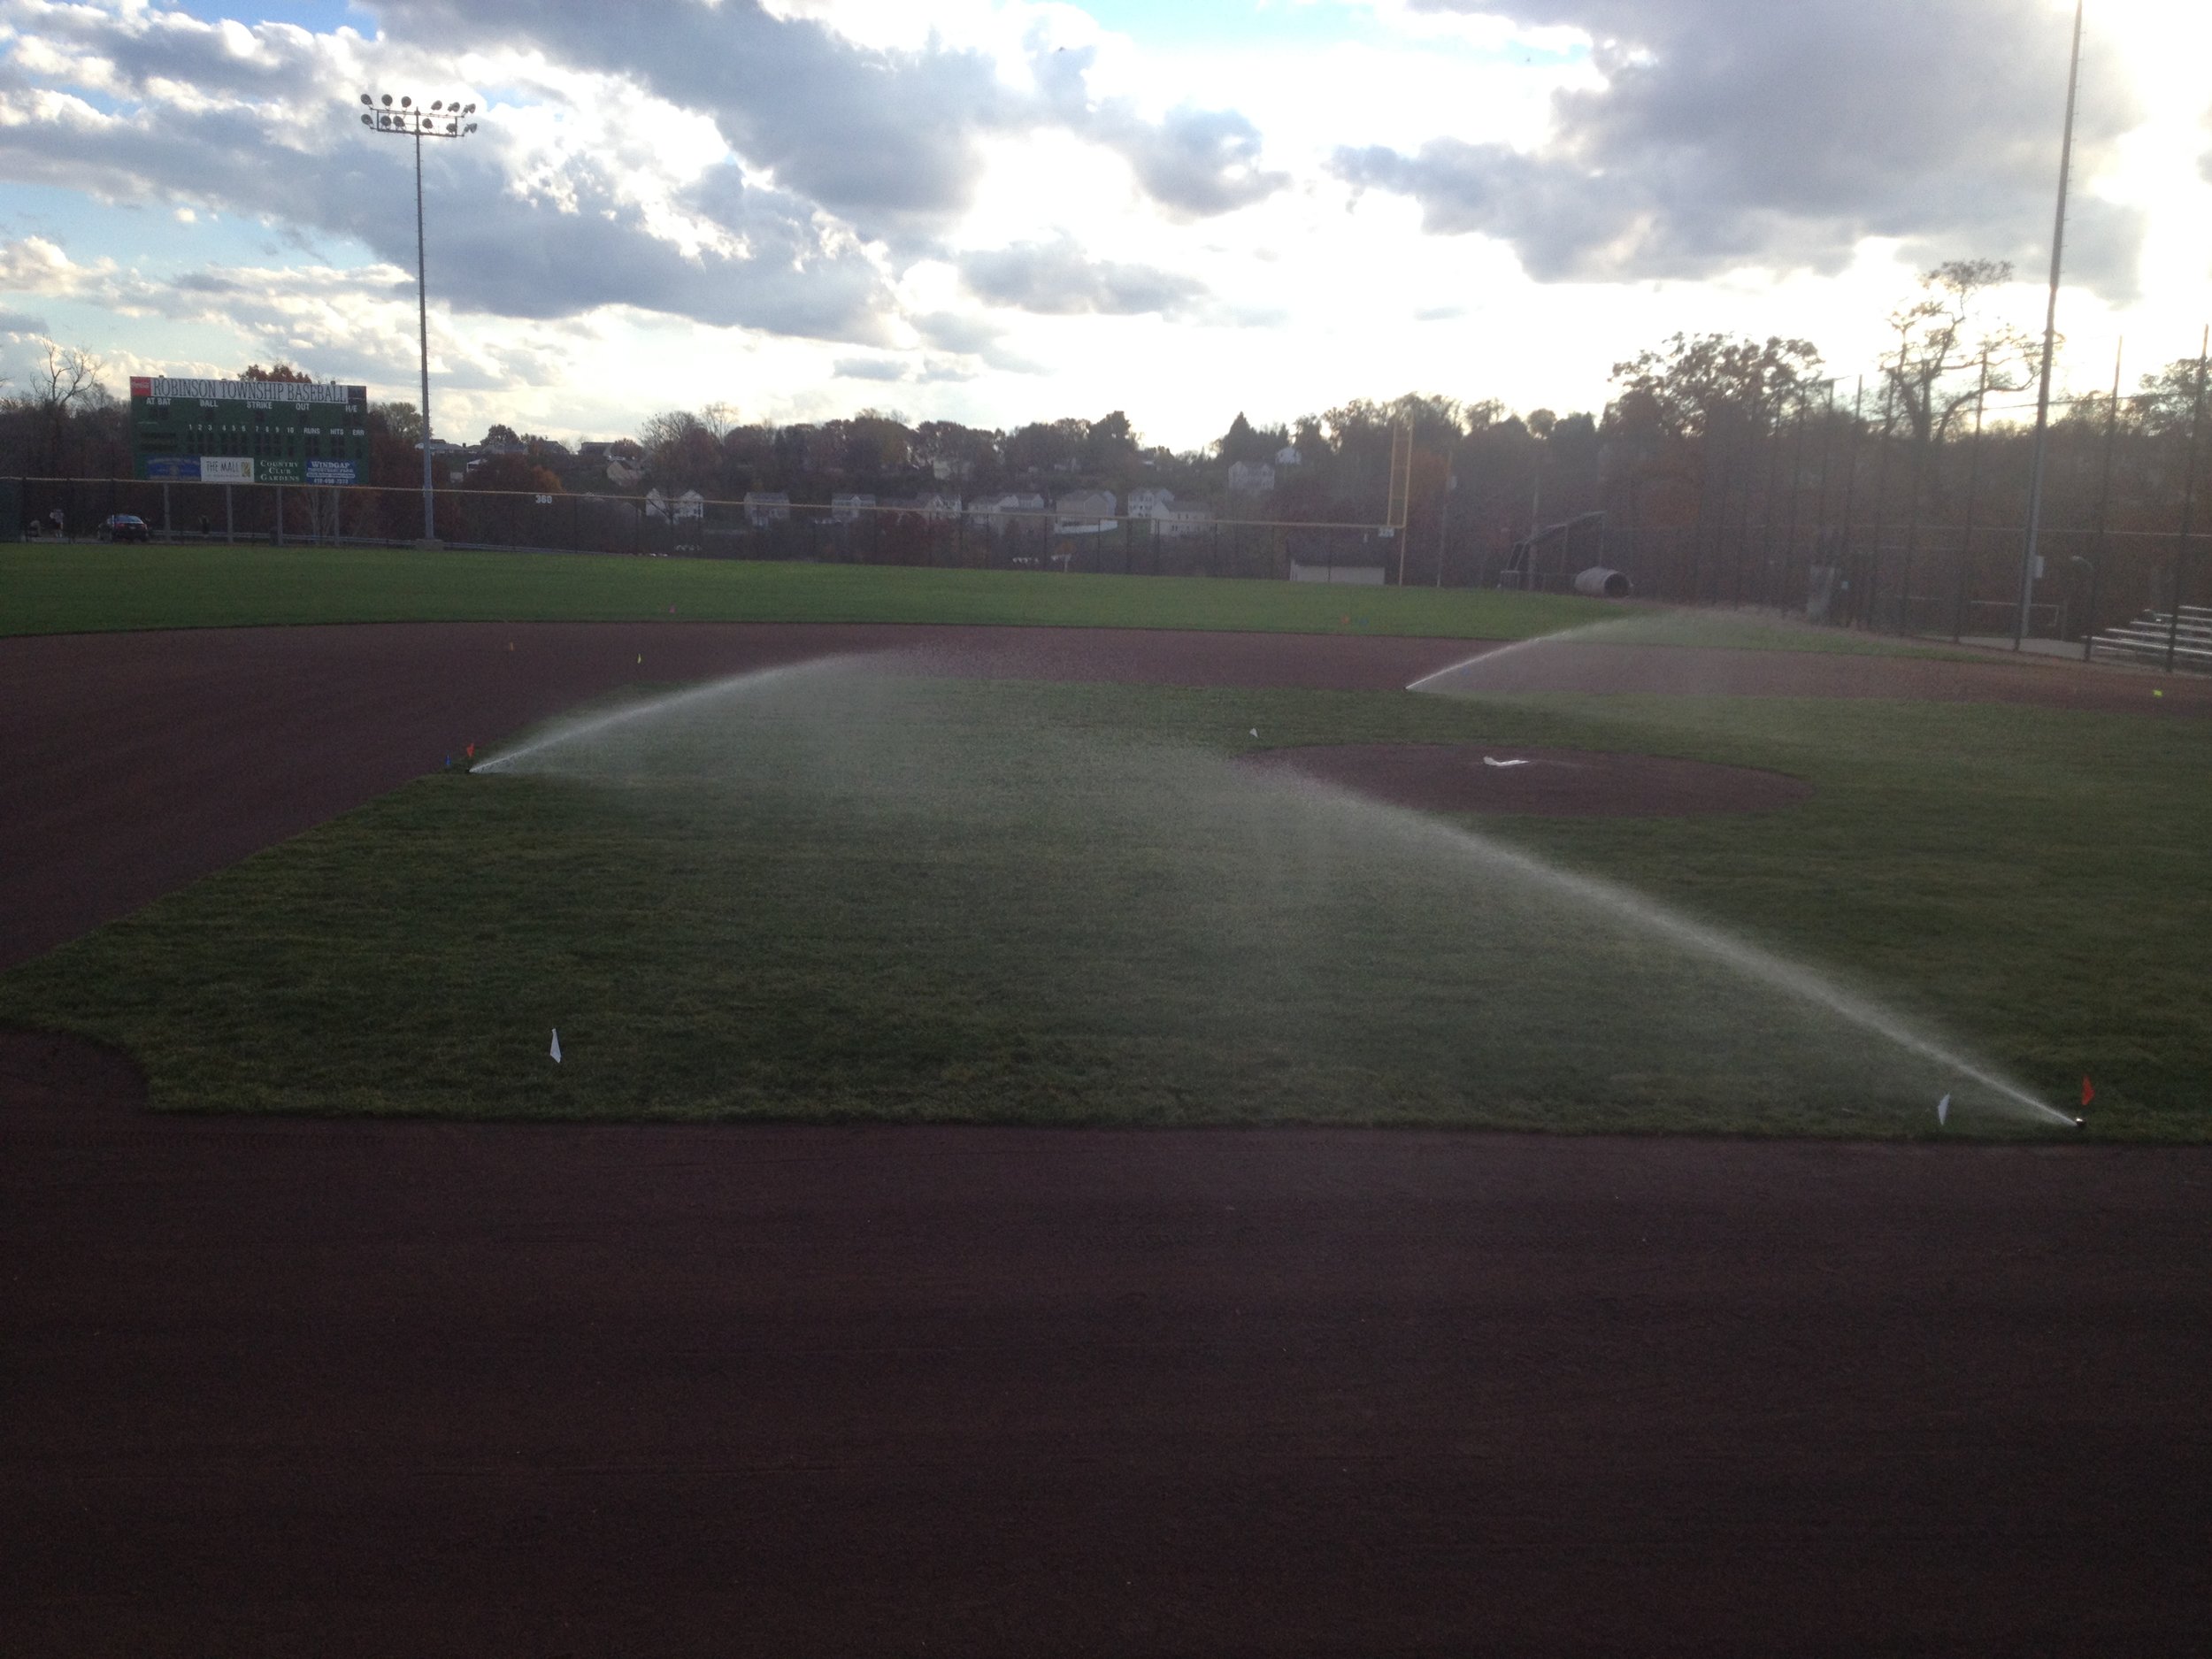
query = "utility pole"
x=402 y=117
x=2050 y=344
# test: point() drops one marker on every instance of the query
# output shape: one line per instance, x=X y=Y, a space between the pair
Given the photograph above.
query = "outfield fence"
x=939 y=537
x=1941 y=582
x=1922 y=579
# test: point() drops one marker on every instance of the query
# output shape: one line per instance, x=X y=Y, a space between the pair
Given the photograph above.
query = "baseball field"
x=789 y=1089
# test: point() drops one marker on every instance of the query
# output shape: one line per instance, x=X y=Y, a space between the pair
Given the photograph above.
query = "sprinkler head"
x=2078 y=1122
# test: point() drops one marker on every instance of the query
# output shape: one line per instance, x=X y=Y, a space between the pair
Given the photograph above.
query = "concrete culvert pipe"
x=1601 y=583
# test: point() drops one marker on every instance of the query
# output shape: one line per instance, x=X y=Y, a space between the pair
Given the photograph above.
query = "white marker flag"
x=557 y=1045
x=1943 y=1108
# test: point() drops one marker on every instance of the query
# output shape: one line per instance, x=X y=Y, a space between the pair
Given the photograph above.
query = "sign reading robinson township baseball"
x=248 y=432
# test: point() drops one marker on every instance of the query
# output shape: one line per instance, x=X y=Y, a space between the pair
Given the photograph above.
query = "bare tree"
x=67 y=380
x=1942 y=345
x=667 y=429
x=719 y=419
x=680 y=451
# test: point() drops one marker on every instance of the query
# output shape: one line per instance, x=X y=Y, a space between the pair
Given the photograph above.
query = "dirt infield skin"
x=285 y=1386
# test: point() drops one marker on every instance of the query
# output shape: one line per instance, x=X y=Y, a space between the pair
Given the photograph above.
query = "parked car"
x=123 y=526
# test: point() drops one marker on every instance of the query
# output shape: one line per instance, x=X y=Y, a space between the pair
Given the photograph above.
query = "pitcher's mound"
x=1560 y=782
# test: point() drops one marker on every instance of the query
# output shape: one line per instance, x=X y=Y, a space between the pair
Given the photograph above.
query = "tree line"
x=1702 y=436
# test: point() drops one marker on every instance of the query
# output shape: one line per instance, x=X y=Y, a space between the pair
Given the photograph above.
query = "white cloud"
x=1780 y=136
x=1016 y=212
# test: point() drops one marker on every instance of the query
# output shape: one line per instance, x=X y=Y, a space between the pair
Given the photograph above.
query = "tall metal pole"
x=2104 y=500
x=1881 y=503
x=1850 y=488
x=1973 y=488
x=2188 y=507
x=1820 y=500
x=422 y=323
x=1772 y=428
x=1914 y=474
x=1444 y=519
x=2050 y=344
x=1797 y=479
x=1398 y=508
x=403 y=118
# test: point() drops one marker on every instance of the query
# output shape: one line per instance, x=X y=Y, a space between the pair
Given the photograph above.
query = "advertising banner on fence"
x=215 y=469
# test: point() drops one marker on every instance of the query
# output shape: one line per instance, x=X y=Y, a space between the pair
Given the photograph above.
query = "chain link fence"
x=1939 y=581
x=952 y=538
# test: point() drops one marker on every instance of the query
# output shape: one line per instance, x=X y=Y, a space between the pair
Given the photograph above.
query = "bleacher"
x=2145 y=639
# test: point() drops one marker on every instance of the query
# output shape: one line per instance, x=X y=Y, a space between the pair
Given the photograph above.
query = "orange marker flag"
x=470 y=751
x=2088 y=1089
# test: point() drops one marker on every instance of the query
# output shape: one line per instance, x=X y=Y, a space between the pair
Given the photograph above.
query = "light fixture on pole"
x=403 y=118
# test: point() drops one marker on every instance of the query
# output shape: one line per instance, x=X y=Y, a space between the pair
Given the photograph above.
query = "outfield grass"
x=921 y=901
x=47 y=588
x=55 y=589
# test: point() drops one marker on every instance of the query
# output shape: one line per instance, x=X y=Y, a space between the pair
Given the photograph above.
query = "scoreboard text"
x=248 y=432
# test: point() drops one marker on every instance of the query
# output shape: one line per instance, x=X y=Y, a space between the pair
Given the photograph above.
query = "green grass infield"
x=825 y=895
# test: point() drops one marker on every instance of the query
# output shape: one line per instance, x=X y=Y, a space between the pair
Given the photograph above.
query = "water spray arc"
x=1757 y=963
x=1586 y=631
x=1748 y=959
x=1500 y=942
x=653 y=708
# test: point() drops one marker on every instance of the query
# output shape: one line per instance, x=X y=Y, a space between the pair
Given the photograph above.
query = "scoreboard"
x=248 y=432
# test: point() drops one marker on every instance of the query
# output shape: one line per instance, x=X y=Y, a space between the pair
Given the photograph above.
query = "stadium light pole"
x=403 y=118
x=2050 y=344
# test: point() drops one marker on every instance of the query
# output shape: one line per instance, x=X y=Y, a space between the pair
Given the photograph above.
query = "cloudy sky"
x=996 y=210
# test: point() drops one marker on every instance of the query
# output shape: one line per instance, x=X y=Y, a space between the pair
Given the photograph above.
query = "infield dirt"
x=277 y=1386
x=139 y=762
